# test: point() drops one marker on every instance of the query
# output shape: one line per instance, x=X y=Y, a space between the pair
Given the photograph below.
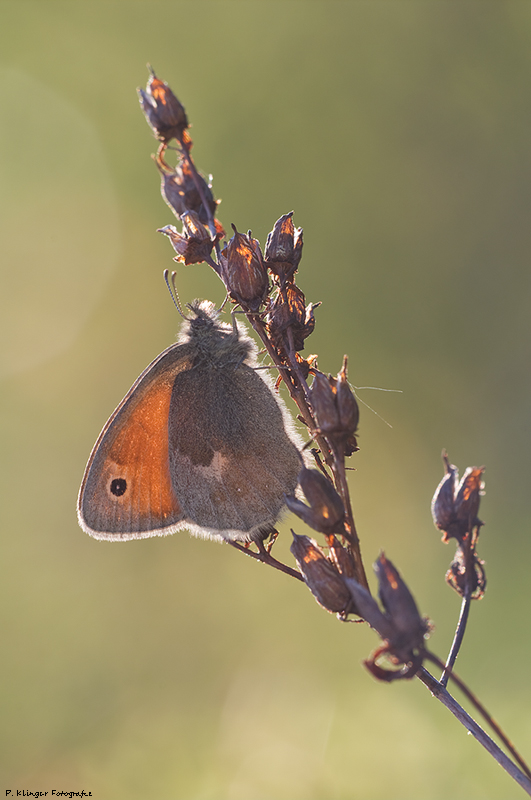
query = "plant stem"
x=297 y=392
x=468 y=550
x=267 y=558
x=477 y=732
x=484 y=713
x=353 y=539
x=458 y=637
x=197 y=180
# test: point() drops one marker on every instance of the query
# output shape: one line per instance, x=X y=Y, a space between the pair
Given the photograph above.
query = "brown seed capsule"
x=283 y=249
x=341 y=557
x=180 y=192
x=369 y=609
x=454 y=507
x=243 y=271
x=401 y=627
x=442 y=505
x=458 y=577
x=164 y=113
x=289 y=311
x=336 y=410
x=194 y=244
x=306 y=364
x=468 y=495
x=326 y=511
x=321 y=577
x=347 y=405
x=399 y=603
x=324 y=403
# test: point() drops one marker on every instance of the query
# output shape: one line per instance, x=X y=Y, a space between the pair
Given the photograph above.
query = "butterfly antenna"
x=173 y=291
x=224 y=303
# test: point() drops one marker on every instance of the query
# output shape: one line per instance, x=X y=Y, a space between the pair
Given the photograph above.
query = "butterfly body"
x=200 y=442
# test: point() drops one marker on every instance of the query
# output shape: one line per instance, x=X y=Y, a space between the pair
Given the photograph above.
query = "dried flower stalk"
x=263 y=285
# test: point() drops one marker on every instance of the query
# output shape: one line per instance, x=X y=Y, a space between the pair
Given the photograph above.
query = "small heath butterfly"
x=200 y=442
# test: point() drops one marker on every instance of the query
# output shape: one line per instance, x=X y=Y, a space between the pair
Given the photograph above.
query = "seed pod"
x=459 y=578
x=454 y=507
x=243 y=271
x=289 y=311
x=194 y=244
x=164 y=113
x=336 y=410
x=399 y=603
x=321 y=577
x=443 y=503
x=180 y=192
x=468 y=495
x=283 y=249
x=326 y=511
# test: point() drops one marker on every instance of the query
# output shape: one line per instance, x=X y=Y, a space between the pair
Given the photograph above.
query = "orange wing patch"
x=127 y=490
x=139 y=456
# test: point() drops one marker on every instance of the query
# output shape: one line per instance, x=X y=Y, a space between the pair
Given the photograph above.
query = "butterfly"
x=201 y=442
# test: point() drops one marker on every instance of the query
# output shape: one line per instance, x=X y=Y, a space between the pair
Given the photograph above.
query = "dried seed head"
x=306 y=364
x=289 y=311
x=336 y=410
x=194 y=244
x=399 y=604
x=283 y=249
x=347 y=405
x=164 y=113
x=180 y=192
x=321 y=577
x=326 y=511
x=401 y=627
x=324 y=403
x=243 y=271
x=442 y=505
x=458 y=577
x=341 y=557
x=468 y=496
x=369 y=610
x=454 y=507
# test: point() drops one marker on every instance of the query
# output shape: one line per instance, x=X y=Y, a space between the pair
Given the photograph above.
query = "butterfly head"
x=216 y=343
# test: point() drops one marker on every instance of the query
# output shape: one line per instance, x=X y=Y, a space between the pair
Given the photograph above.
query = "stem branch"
x=477 y=732
x=267 y=558
x=478 y=705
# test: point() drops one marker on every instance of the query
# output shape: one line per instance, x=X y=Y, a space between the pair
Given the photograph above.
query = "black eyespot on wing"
x=118 y=487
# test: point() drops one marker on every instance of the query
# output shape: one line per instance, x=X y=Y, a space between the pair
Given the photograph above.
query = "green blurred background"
x=399 y=133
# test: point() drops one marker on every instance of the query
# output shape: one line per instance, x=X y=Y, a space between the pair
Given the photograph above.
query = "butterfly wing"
x=231 y=459
x=127 y=491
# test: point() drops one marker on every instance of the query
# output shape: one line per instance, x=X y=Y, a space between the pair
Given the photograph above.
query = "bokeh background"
x=399 y=133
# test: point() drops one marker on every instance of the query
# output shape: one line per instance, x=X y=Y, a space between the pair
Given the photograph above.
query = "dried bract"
x=194 y=244
x=399 y=604
x=341 y=557
x=306 y=364
x=474 y=578
x=243 y=271
x=468 y=496
x=164 y=113
x=283 y=250
x=324 y=403
x=400 y=626
x=369 y=609
x=321 y=577
x=454 y=507
x=180 y=192
x=326 y=512
x=336 y=410
x=288 y=311
x=443 y=503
